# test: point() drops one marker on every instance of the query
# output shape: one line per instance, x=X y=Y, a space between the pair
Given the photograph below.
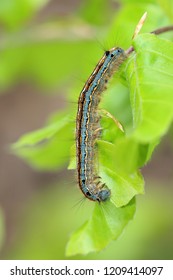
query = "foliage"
x=140 y=97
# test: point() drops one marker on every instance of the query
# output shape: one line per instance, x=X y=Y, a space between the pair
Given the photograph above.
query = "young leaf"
x=150 y=77
x=47 y=148
x=106 y=223
x=124 y=185
x=126 y=154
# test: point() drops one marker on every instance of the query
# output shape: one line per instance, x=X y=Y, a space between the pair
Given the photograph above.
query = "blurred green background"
x=41 y=72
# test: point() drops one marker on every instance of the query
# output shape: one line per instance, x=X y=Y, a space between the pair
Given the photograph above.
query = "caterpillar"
x=87 y=124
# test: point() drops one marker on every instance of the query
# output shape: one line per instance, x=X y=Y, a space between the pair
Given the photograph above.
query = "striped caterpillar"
x=87 y=124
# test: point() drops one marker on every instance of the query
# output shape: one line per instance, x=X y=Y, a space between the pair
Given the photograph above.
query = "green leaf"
x=106 y=223
x=126 y=153
x=124 y=185
x=116 y=101
x=47 y=148
x=35 y=137
x=150 y=78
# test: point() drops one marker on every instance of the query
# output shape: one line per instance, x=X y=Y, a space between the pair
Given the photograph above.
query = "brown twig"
x=156 y=32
